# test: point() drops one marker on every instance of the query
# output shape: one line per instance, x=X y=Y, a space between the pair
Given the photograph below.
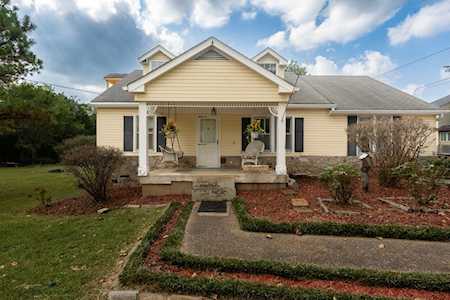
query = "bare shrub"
x=391 y=143
x=79 y=140
x=94 y=167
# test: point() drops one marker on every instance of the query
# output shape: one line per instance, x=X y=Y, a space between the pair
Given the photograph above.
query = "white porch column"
x=143 y=140
x=280 y=167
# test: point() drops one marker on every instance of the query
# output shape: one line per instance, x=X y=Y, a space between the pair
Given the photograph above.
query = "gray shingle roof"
x=353 y=93
x=116 y=93
x=442 y=101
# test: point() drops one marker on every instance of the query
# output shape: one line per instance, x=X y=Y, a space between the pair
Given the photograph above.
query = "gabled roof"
x=268 y=50
x=354 y=93
x=155 y=50
x=138 y=84
x=442 y=101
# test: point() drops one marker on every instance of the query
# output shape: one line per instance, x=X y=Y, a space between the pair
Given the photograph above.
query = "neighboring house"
x=213 y=92
x=444 y=125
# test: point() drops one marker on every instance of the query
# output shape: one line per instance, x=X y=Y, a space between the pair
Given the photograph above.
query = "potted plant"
x=170 y=129
x=254 y=129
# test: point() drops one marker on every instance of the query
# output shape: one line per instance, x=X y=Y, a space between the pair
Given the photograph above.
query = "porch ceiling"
x=207 y=108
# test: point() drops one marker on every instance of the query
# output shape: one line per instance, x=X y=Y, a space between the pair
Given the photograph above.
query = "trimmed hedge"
x=136 y=273
x=171 y=253
x=250 y=223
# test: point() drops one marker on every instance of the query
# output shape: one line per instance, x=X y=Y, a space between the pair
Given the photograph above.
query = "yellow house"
x=212 y=92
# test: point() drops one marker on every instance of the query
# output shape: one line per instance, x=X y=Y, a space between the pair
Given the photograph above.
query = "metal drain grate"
x=213 y=207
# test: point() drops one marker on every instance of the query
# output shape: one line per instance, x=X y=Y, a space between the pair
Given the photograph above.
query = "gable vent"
x=211 y=55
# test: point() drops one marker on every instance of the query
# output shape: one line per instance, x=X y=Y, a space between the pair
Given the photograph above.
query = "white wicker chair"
x=252 y=152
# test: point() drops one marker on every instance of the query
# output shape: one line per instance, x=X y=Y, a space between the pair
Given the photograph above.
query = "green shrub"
x=43 y=196
x=94 y=168
x=79 y=140
x=339 y=178
x=423 y=179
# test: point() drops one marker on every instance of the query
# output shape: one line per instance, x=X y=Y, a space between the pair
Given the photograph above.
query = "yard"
x=58 y=256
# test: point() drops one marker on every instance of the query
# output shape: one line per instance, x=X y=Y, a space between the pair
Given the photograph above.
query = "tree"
x=391 y=142
x=16 y=58
x=34 y=119
x=94 y=167
x=295 y=68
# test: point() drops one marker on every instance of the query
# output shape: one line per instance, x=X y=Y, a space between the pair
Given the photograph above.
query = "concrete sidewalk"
x=221 y=236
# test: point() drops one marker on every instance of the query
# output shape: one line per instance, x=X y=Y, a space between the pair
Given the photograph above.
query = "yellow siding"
x=431 y=148
x=110 y=126
x=269 y=59
x=324 y=134
x=159 y=56
x=211 y=80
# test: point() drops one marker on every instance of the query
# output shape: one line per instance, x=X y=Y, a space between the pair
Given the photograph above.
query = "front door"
x=208 y=143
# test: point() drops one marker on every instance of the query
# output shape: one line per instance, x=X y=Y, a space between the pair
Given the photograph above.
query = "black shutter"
x=244 y=138
x=160 y=139
x=299 y=133
x=127 y=133
x=351 y=147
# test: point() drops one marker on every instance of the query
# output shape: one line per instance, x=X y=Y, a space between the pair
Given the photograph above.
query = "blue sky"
x=82 y=40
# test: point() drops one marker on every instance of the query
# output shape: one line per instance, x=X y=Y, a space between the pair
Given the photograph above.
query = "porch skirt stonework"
x=296 y=165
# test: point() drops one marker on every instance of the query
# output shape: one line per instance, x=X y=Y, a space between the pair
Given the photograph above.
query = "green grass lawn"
x=45 y=257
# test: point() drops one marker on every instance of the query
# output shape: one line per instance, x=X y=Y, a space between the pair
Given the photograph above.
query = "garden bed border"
x=135 y=272
x=426 y=233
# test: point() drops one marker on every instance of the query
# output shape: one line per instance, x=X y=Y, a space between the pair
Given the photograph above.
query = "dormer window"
x=270 y=67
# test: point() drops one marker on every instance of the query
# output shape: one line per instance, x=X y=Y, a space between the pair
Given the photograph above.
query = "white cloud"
x=445 y=74
x=248 y=15
x=371 y=63
x=414 y=89
x=277 y=40
x=210 y=14
x=310 y=24
x=428 y=21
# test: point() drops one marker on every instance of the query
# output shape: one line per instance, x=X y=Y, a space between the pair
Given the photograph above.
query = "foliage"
x=77 y=141
x=250 y=223
x=170 y=129
x=391 y=143
x=171 y=253
x=254 y=127
x=423 y=179
x=16 y=58
x=339 y=180
x=43 y=196
x=444 y=163
x=34 y=119
x=94 y=168
x=295 y=68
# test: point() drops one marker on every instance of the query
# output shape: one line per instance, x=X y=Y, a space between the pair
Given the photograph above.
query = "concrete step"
x=213 y=188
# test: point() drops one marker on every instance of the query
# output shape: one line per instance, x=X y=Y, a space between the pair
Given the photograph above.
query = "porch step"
x=213 y=189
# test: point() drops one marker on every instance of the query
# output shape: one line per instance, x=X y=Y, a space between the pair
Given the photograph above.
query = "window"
x=156 y=63
x=270 y=67
x=289 y=135
x=150 y=133
x=264 y=137
x=444 y=136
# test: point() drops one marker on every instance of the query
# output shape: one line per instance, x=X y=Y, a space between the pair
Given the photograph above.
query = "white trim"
x=115 y=104
x=153 y=51
x=280 y=167
x=389 y=112
x=143 y=147
x=138 y=85
x=310 y=105
x=281 y=60
x=218 y=137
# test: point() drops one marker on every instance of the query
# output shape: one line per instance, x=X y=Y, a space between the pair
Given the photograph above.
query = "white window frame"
x=136 y=133
x=291 y=134
x=275 y=64
x=444 y=136
x=271 y=133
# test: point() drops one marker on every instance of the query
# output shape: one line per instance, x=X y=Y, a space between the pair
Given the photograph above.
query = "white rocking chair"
x=252 y=152
x=170 y=155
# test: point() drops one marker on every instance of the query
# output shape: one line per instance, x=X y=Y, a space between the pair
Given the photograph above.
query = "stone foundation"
x=175 y=188
x=296 y=165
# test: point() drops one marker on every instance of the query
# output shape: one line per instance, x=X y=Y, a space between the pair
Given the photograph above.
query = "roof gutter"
x=114 y=104
x=389 y=111
x=311 y=105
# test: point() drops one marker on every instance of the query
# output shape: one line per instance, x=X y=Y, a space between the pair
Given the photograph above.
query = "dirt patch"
x=121 y=195
x=276 y=205
x=154 y=263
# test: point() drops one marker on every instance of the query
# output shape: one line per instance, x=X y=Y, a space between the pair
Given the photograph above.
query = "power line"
x=432 y=84
x=414 y=61
x=63 y=86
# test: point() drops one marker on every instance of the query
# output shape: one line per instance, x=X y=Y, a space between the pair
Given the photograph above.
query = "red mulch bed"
x=154 y=263
x=121 y=195
x=276 y=205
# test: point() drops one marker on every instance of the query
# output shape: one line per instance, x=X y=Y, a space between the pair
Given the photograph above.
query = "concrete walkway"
x=221 y=236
